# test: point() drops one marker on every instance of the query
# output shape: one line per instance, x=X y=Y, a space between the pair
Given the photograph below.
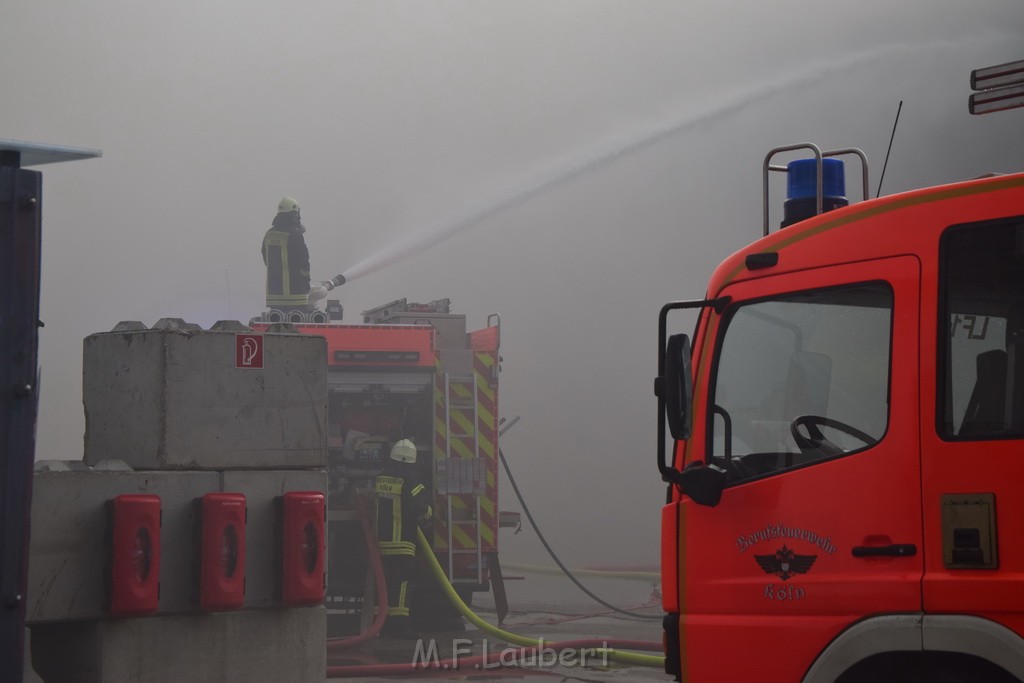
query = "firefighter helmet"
x=287 y=205
x=404 y=451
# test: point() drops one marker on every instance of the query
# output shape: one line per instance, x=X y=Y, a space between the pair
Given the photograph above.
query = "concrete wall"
x=69 y=549
x=171 y=403
x=74 y=639
x=174 y=399
x=257 y=645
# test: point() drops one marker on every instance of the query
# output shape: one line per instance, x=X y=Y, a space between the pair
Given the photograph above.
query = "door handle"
x=891 y=550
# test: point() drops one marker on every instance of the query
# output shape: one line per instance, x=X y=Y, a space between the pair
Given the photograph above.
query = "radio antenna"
x=227 y=287
x=882 y=177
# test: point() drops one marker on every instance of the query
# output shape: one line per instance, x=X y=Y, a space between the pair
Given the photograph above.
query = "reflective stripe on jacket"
x=401 y=504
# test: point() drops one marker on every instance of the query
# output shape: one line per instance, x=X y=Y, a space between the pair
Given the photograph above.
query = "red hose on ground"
x=378 y=576
x=506 y=658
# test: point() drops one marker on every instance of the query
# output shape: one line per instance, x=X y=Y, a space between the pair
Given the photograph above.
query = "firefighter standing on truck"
x=402 y=504
x=287 y=260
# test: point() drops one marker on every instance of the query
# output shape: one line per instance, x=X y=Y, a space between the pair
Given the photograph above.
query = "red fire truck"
x=847 y=432
x=411 y=371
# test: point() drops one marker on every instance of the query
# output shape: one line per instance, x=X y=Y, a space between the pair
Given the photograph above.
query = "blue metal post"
x=20 y=233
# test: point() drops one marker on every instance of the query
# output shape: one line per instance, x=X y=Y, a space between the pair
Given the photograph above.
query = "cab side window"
x=801 y=378
x=981 y=335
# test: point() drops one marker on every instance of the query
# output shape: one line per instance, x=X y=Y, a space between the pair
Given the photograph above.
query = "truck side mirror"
x=674 y=388
x=677 y=386
x=703 y=483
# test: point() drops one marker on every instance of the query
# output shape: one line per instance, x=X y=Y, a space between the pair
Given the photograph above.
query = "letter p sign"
x=248 y=351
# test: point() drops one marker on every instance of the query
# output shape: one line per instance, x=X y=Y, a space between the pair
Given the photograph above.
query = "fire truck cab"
x=847 y=426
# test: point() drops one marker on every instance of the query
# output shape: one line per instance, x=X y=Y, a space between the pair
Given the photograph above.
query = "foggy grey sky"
x=384 y=117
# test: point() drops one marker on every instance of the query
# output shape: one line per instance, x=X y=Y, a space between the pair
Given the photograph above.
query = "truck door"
x=972 y=463
x=810 y=405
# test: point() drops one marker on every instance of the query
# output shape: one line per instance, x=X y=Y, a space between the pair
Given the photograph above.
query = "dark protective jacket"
x=287 y=260
x=402 y=503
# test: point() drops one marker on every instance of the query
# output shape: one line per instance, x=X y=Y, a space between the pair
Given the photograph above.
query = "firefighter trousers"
x=398 y=573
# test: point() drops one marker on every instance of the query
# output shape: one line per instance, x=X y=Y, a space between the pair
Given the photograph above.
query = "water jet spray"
x=731 y=103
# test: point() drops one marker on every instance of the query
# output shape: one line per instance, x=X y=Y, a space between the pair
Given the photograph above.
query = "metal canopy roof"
x=37 y=153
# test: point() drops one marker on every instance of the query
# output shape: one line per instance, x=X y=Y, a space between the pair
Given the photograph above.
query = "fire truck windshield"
x=800 y=378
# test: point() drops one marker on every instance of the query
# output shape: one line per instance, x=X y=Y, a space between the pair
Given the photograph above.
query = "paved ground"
x=542 y=606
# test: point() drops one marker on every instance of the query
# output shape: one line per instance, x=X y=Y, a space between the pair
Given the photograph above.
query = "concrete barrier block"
x=248 y=646
x=261 y=489
x=184 y=399
x=69 y=551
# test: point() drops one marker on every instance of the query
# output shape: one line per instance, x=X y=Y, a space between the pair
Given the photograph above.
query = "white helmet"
x=287 y=205
x=404 y=451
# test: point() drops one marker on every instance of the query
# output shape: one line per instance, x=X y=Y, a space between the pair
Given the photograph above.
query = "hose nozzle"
x=320 y=291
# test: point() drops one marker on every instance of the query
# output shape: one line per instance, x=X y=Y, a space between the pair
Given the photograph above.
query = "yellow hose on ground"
x=470 y=615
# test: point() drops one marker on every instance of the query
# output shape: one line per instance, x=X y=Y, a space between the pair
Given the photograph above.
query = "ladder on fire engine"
x=463 y=477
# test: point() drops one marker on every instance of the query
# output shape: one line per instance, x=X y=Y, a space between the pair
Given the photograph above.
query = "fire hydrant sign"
x=248 y=351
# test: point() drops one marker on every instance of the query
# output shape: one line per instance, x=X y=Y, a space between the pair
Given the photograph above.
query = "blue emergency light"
x=802 y=188
x=801 y=181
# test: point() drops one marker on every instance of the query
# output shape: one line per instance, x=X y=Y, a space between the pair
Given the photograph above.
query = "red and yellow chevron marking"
x=487 y=426
x=460 y=442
